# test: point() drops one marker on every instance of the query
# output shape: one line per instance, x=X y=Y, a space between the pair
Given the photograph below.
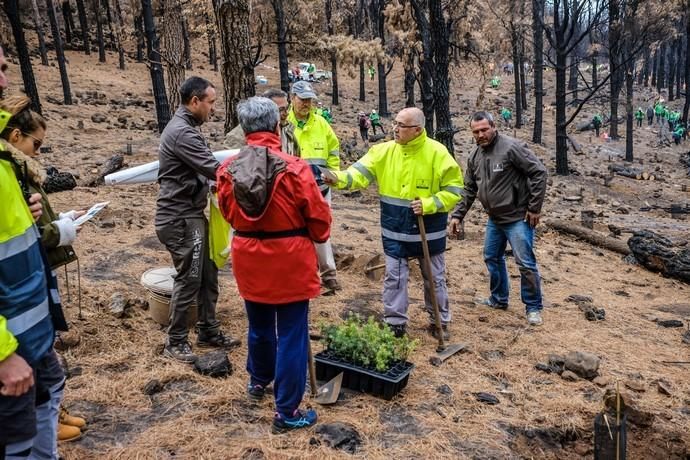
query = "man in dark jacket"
x=186 y=166
x=510 y=182
x=272 y=201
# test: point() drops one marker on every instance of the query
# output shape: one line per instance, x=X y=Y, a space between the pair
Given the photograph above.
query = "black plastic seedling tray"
x=357 y=378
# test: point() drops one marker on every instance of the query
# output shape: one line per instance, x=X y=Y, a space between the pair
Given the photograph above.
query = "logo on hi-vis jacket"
x=423 y=184
x=497 y=167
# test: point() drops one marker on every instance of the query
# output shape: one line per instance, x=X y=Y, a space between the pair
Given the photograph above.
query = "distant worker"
x=659 y=111
x=639 y=116
x=416 y=176
x=650 y=115
x=495 y=81
x=311 y=69
x=506 y=115
x=326 y=114
x=678 y=134
x=375 y=120
x=372 y=71
x=364 y=125
x=596 y=123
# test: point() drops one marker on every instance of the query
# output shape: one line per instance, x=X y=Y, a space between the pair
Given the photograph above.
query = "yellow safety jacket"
x=25 y=323
x=422 y=169
x=318 y=144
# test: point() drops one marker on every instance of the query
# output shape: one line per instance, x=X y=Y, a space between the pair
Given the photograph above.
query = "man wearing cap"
x=319 y=147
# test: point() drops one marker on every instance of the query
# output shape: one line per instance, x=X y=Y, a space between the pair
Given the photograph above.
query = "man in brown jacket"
x=186 y=166
x=510 y=182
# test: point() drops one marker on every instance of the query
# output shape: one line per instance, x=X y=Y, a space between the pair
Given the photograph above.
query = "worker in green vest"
x=596 y=123
x=639 y=116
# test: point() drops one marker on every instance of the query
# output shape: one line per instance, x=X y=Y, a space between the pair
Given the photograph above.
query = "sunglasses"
x=37 y=142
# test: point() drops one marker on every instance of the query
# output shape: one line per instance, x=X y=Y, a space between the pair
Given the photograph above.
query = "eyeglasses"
x=283 y=109
x=397 y=124
x=37 y=142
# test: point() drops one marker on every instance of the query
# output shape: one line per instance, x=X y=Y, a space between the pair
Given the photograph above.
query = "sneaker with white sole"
x=534 y=318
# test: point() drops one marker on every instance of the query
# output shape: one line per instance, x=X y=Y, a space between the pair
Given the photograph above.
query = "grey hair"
x=483 y=115
x=274 y=92
x=258 y=114
x=419 y=119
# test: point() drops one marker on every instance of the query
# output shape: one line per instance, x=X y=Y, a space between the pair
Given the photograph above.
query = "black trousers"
x=197 y=277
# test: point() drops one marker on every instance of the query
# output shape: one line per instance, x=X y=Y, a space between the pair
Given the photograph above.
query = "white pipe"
x=149 y=172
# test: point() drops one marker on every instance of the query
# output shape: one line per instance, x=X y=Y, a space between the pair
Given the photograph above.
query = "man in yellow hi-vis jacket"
x=415 y=175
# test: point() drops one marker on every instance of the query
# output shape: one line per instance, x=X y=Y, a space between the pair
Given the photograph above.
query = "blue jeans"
x=521 y=238
x=277 y=343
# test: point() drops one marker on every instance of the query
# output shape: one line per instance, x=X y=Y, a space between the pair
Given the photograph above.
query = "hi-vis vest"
x=25 y=323
x=423 y=169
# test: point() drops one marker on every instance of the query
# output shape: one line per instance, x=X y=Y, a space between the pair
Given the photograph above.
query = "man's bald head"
x=408 y=125
x=3 y=68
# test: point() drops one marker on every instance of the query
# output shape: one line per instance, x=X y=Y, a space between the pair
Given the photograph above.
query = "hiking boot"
x=70 y=420
x=434 y=331
x=299 y=419
x=399 y=330
x=491 y=304
x=256 y=392
x=66 y=433
x=534 y=318
x=332 y=284
x=180 y=351
x=219 y=340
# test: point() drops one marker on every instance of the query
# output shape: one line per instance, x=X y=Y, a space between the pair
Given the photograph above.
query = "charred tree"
x=672 y=69
x=99 y=30
x=187 y=44
x=515 y=37
x=57 y=43
x=119 y=34
x=211 y=36
x=426 y=64
x=69 y=22
x=644 y=75
x=232 y=19
x=38 y=23
x=410 y=80
x=538 y=41
x=12 y=11
x=440 y=36
x=334 y=60
x=686 y=106
x=655 y=67
x=615 y=67
x=84 y=26
x=139 y=34
x=281 y=32
x=173 y=54
x=377 y=15
x=362 y=76
x=661 y=72
x=679 y=66
x=157 y=79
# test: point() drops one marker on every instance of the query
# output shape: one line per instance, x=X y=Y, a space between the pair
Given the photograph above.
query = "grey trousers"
x=196 y=280
x=395 y=297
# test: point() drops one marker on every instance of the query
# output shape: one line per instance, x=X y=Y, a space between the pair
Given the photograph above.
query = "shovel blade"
x=328 y=393
x=446 y=353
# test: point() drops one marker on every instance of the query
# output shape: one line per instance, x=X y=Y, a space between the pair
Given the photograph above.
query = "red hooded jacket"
x=273 y=255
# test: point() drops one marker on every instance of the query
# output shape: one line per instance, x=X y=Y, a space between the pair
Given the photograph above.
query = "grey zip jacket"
x=185 y=166
x=508 y=179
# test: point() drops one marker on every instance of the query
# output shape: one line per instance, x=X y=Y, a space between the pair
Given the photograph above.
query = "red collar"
x=264 y=139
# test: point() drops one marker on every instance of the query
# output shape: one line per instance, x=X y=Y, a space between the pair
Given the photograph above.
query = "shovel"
x=328 y=393
x=443 y=351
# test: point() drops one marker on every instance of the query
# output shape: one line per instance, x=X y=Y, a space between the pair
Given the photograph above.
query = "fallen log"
x=590 y=236
x=114 y=163
x=659 y=254
x=633 y=173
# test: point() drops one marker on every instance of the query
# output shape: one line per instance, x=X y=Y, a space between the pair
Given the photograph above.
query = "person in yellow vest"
x=415 y=176
x=319 y=146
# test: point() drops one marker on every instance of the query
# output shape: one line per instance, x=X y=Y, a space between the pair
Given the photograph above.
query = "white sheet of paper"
x=95 y=209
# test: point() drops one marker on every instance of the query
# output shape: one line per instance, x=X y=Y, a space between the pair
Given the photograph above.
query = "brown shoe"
x=68 y=433
x=332 y=284
x=70 y=420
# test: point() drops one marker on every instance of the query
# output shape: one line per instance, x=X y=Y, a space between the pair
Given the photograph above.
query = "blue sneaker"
x=299 y=419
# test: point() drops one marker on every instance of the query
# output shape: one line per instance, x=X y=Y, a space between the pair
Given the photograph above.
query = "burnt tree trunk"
x=538 y=40
x=69 y=23
x=12 y=11
x=661 y=73
x=139 y=34
x=38 y=23
x=410 y=80
x=84 y=26
x=119 y=34
x=643 y=78
x=440 y=36
x=629 y=80
x=156 y=68
x=109 y=22
x=281 y=32
x=686 y=106
x=515 y=37
x=173 y=51
x=655 y=67
x=672 y=70
x=659 y=254
x=232 y=19
x=560 y=26
x=426 y=65
x=211 y=36
x=362 y=76
x=615 y=59
x=378 y=24
x=334 y=60
x=187 y=45
x=99 y=30
x=57 y=43
x=679 y=66
x=523 y=83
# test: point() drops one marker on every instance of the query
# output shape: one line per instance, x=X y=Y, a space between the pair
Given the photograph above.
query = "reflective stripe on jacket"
x=423 y=169
x=27 y=327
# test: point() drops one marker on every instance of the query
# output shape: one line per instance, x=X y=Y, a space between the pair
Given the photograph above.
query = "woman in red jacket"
x=277 y=212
